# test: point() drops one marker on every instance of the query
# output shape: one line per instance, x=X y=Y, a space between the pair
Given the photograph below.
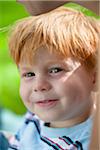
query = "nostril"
x=35 y=90
x=43 y=89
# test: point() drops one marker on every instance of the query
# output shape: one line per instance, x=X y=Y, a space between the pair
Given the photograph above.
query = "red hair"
x=64 y=30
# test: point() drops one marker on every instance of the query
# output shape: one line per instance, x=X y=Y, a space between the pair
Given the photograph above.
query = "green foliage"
x=82 y=9
x=10 y=11
x=9 y=93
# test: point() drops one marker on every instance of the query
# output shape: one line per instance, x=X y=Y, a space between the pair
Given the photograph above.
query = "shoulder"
x=30 y=128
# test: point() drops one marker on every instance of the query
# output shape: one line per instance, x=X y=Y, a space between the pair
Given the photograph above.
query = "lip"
x=47 y=103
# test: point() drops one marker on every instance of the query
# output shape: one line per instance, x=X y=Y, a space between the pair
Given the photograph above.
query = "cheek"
x=23 y=92
x=72 y=88
x=67 y=85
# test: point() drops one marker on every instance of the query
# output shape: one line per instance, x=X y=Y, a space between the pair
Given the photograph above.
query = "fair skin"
x=39 y=7
x=57 y=89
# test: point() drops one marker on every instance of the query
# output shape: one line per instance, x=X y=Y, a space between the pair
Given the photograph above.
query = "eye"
x=28 y=74
x=55 y=70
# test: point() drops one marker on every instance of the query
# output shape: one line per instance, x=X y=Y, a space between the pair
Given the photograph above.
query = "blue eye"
x=55 y=70
x=29 y=74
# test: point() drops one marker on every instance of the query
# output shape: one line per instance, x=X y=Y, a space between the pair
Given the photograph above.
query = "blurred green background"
x=10 y=11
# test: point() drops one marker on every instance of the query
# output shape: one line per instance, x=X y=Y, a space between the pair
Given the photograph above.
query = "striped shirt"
x=34 y=135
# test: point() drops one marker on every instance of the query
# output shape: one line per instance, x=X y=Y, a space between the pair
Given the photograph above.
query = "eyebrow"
x=24 y=67
x=55 y=62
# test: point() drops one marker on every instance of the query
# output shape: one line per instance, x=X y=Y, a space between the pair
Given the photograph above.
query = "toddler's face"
x=54 y=88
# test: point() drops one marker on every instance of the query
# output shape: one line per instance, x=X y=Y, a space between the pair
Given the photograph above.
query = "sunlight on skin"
x=74 y=65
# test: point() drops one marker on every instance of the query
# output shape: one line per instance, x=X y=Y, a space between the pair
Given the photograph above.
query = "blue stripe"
x=33 y=121
x=13 y=147
x=50 y=143
x=68 y=140
x=79 y=145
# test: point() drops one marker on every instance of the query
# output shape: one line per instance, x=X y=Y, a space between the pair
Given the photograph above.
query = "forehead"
x=41 y=54
x=45 y=52
x=44 y=57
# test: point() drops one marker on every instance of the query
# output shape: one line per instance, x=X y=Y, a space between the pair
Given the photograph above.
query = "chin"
x=47 y=117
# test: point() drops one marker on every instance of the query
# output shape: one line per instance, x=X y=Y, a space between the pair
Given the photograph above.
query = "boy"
x=56 y=57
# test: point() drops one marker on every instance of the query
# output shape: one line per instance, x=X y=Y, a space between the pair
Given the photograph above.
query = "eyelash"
x=54 y=70
x=28 y=74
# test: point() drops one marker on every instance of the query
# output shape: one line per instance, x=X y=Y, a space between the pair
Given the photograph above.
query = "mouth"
x=47 y=103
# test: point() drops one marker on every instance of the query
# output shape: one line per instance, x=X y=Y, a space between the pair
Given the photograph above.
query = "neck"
x=73 y=121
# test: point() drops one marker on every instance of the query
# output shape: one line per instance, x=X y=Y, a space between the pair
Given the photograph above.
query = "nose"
x=41 y=85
